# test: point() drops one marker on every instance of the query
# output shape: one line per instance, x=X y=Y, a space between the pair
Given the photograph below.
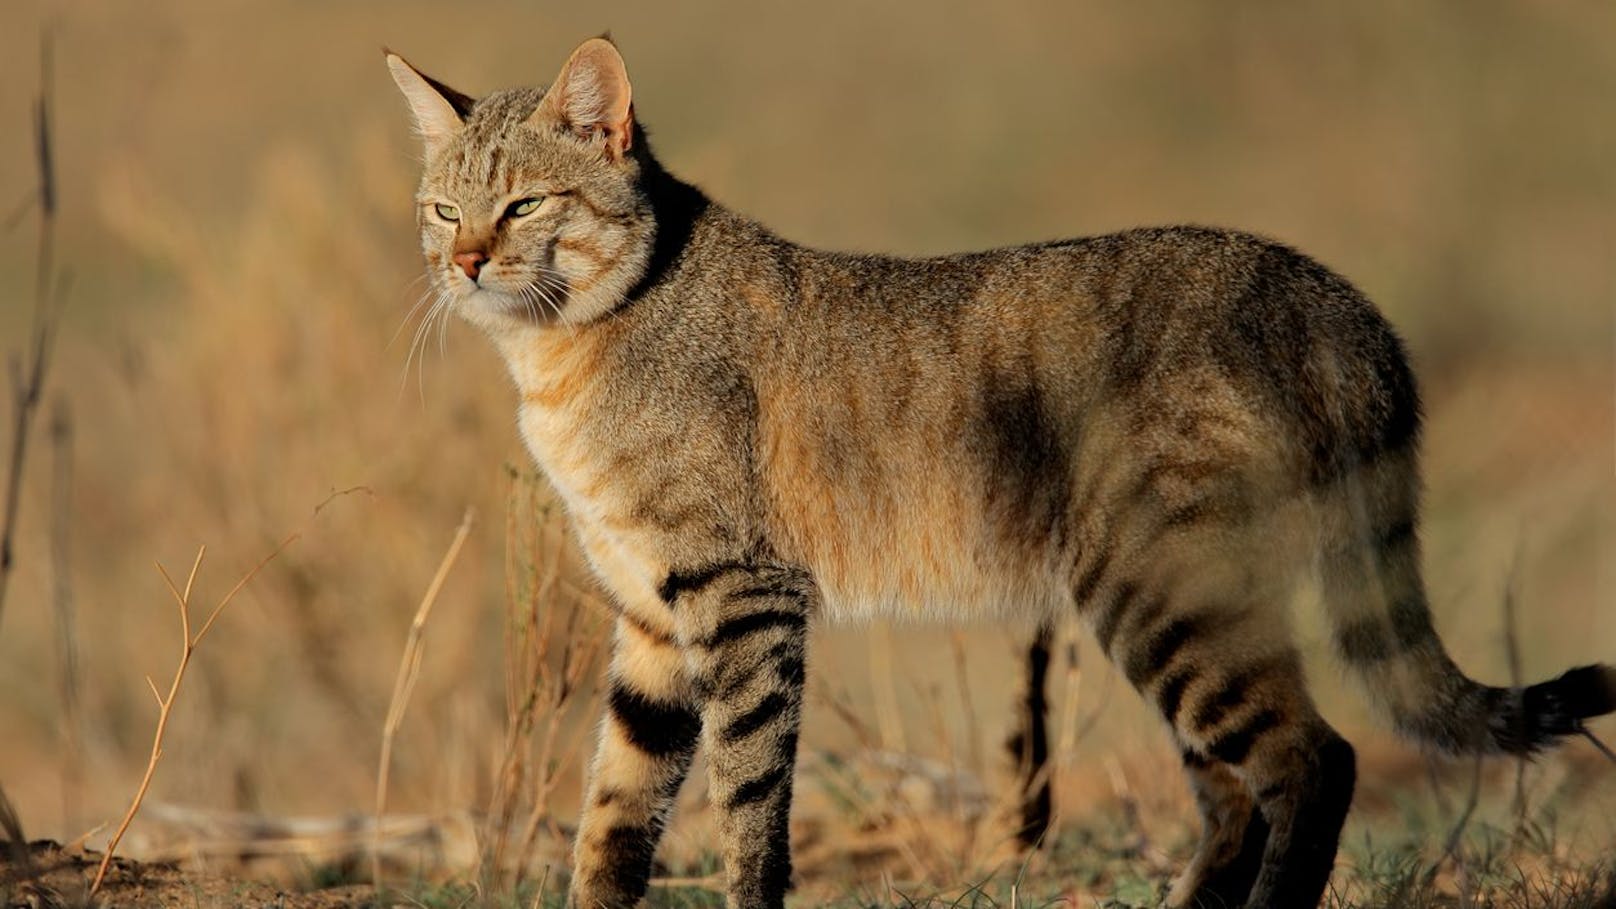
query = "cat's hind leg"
x=1189 y=595
x=1233 y=837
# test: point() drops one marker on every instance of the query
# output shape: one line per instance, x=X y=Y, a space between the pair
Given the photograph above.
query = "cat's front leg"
x=647 y=740
x=744 y=629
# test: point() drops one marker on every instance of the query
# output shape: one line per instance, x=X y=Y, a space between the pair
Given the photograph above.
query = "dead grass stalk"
x=28 y=380
x=409 y=670
x=553 y=646
x=70 y=682
x=165 y=705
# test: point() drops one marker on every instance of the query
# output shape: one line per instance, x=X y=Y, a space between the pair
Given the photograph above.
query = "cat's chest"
x=563 y=444
x=570 y=423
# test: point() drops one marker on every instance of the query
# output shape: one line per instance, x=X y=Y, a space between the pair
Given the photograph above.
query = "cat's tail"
x=1376 y=601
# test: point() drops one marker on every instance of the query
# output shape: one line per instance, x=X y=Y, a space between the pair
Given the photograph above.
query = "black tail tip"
x=1539 y=714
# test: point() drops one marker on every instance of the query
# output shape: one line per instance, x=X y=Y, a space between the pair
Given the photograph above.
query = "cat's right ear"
x=440 y=111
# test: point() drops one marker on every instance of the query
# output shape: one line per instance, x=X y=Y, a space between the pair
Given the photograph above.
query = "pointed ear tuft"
x=439 y=110
x=591 y=98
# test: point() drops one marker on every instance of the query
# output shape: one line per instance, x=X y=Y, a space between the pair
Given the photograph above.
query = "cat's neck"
x=678 y=208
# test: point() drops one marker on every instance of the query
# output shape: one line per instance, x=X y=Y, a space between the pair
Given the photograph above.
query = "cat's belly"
x=919 y=546
x=899 y=589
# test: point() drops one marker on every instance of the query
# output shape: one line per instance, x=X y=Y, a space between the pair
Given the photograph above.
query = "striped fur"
x=1160 y=431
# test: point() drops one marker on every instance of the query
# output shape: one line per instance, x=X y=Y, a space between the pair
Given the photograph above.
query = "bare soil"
x=44 y=875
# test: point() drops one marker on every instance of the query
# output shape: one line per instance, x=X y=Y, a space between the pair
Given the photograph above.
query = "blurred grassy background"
x=236 y=212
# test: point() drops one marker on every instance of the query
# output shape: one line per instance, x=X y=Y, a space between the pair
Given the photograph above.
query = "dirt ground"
x=48 y=876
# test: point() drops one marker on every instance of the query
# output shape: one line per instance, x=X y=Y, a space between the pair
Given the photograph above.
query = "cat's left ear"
x=591 y=98
x=440 y=111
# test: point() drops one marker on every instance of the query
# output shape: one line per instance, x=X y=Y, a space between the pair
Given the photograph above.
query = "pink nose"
x=471 y=262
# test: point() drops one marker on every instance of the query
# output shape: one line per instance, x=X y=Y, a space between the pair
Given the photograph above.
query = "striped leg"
x=1192 y=608
x=1029 y=746
x=647 y=740
x=1303 y=779
x=1233 y=837
x=1251 y=730
x=1238 y=700
x=745 y=631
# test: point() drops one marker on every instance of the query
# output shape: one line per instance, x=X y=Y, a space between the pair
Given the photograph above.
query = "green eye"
x=448 y=212
x=522 y=207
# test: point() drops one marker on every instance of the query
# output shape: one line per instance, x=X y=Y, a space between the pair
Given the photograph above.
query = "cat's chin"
x=494 y=309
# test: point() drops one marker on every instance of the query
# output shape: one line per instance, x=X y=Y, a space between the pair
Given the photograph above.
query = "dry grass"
x=236 y=214
x=409 y=672
x=555 y=638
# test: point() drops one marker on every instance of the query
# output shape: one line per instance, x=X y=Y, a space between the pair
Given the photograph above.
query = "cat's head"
x=531 y=206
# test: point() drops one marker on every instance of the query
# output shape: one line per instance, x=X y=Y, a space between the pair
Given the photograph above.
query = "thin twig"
x=888 y=715
x=165 y=705
x=973 y=726
x=409 y=669
x=1512 y=655
x=19 y=211
x=1603 y=748
x=28 y=381
x=16 y=843
x=1450 y=849
x=67 y=656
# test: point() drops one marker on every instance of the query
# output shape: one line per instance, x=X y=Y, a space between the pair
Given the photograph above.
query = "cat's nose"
x=471 y=262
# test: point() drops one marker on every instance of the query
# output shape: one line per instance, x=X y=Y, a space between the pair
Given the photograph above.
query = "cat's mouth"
x=482 y=301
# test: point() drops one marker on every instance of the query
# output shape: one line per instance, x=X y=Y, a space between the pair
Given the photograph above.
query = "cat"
x=1161 y=431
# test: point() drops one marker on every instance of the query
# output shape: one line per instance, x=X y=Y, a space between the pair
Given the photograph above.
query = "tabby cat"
x=1165 y=432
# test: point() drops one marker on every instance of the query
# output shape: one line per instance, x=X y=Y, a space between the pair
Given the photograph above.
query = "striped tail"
x=1377 y=604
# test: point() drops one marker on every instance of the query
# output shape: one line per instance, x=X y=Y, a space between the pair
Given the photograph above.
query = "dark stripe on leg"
x=1212 y=711
x=660 y=730
x=628 y=852
x=678 y=582
x=1106 y=630
x=791 y=671
x=751 y=721
x=1233 y=747
x=755 y=591
x=1171 y=693
x=756 y=790
x=1142 y=667
x=735 y=629
x=788 y=668
x=1090 y=579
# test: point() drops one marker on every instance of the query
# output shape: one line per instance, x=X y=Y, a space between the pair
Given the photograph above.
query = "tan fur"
x=1160 y=431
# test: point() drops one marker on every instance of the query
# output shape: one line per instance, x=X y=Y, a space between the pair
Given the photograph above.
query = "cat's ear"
x=439 y=110
x=591 y=98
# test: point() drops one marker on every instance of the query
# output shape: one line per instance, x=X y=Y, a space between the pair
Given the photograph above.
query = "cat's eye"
x=448 y=212
x=522 y=207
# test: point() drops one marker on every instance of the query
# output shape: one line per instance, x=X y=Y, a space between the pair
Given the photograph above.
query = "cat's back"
x=954 y=408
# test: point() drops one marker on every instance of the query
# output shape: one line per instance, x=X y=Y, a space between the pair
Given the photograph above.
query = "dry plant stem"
x=527 y=581
x=62 y=605
x=28 y=382
x=1603 y=748
x=841 y=705
x=16 y=843
x=1512 y=652
x=579 y=656
x=553 y=641
x=409 y=669
x=888 y=715
x=1450 y=849
x=165 y=705
x=973 y=726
